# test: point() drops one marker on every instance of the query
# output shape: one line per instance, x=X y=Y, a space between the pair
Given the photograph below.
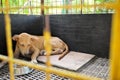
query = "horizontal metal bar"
x=60 y=72
x=102 y=5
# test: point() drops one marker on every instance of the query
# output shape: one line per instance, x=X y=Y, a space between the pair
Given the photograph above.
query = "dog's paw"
x=34 y=61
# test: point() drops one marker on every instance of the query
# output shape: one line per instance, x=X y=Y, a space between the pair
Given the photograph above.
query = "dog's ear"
x=15 y=37
x=33 y=38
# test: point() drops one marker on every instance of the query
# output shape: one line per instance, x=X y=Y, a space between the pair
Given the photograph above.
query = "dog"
x=31 y=45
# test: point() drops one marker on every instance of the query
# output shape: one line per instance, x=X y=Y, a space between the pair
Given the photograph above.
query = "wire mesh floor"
x=97 y=67
x=34 y=75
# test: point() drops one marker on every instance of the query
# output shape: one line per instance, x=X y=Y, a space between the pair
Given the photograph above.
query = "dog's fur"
x=33 y=46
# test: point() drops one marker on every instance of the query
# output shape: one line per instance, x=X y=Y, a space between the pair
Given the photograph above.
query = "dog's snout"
x=24 y=51
x=27 y=52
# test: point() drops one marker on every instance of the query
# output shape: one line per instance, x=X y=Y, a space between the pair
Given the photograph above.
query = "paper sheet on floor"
x=72 y=61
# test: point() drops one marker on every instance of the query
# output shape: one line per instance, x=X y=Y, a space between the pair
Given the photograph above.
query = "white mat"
x=72 y=61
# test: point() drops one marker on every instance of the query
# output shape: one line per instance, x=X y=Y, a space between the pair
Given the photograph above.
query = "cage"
x=87 y=26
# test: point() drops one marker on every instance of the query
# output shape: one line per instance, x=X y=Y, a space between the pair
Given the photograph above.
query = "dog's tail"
x=65 y=52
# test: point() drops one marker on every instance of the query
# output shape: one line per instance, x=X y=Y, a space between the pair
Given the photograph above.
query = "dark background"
x=89 y=33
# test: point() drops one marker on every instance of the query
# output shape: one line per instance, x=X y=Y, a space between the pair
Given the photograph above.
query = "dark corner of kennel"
x=89 y=33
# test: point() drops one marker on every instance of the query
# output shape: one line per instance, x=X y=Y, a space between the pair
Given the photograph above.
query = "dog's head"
x=24 y=42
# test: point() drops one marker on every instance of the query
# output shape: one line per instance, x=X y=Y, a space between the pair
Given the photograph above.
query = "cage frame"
x=114 y=45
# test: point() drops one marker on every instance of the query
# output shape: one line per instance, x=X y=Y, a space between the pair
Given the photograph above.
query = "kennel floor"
x=97 y=67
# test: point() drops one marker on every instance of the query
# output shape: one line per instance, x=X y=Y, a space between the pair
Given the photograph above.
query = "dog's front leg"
x=17 y=52
x=34 y=56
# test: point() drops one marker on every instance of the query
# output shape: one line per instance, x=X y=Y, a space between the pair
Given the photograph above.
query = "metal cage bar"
x=115 y=47
x=9 y=42
x=36 y=11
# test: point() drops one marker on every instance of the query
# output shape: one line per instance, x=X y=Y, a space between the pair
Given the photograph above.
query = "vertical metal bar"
x=81 y=6
x=63 y=10
x=2 y=6
x=8 y=39
x=23 y=9
x=9 y=5
x=66 y=3
x=42 y=9
x=47 y=10
x=76 y=8
x=52 y=5
x=0 y=3
x=87 y=7
x=36 y=8
x=70 y=4
x=94 y=6
x=47 y=36
x=115 y=45
x=56 y=5
x=30 y=9
x=18 y=5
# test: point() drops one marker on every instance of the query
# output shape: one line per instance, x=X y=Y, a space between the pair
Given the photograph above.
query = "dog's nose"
x=27 y=52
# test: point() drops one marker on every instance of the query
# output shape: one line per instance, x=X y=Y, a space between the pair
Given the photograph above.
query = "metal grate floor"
x=34 y=75
x=97 y=67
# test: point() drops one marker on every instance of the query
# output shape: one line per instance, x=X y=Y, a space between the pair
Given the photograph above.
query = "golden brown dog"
x=31 y=45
